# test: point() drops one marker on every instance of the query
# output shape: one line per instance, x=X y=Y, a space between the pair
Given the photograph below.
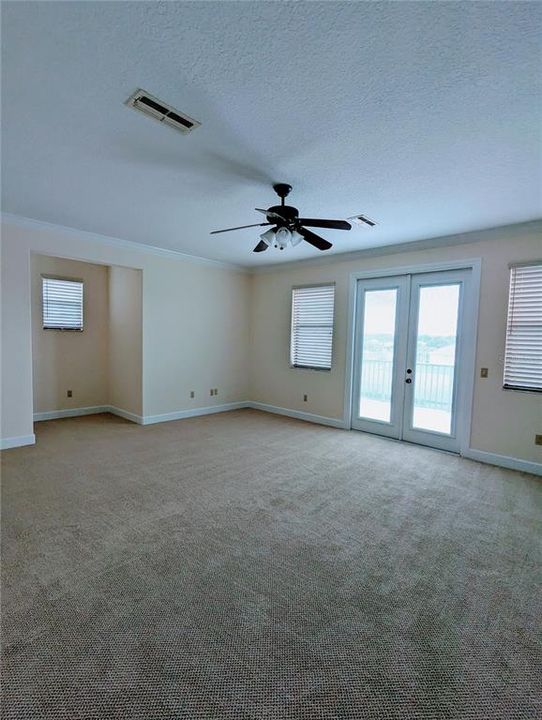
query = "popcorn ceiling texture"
x=425 y=116
x=243 y=566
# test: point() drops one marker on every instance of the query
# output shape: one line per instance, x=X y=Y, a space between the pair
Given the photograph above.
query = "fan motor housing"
x=288 y=213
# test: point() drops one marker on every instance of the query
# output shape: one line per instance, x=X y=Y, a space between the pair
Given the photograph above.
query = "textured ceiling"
x=425 y=116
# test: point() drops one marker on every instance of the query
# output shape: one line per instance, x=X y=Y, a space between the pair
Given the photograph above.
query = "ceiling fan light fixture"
x=268 y=237
x=290 y=229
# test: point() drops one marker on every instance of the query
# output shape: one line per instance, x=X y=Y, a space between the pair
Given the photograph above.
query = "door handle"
x=408 y=381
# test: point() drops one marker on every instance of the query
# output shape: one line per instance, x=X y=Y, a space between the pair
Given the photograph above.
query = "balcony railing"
x=433 y=383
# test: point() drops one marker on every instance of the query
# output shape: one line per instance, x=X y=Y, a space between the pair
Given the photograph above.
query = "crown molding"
x=493 y=233
x=472 y=236
x=22 y=221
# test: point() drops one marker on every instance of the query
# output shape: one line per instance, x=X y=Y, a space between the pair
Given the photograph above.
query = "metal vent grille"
x=362 y=220
x=161 y=111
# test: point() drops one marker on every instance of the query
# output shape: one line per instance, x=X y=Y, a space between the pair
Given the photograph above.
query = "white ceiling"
x=425 y=116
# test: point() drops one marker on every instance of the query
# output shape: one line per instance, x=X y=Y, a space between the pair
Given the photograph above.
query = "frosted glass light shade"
x=296 y=238
x=268 y=236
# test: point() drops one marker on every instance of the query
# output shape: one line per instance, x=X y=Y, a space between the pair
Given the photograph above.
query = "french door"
x=408 y=344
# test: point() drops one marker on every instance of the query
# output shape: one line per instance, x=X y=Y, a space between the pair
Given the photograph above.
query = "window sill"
x=308 y=367
x=530 y=391
x=61 y=329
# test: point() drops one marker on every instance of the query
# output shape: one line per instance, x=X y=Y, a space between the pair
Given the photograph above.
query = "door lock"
x=408 y=381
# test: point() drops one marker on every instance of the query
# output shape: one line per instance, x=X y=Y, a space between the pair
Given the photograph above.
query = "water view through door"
x=406 y=381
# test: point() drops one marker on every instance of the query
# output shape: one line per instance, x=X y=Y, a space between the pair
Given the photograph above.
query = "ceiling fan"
x=289 y=228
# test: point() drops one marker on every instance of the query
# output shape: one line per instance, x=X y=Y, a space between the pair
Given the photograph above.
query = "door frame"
x=467 y=355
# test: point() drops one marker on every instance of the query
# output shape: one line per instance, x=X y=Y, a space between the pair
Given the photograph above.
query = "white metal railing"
x=433 y=383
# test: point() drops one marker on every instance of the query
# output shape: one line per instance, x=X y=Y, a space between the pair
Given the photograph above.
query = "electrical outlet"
x=69 y=393
x=192 y=394
x=305 y=398
x=484 y=372
x=538 y=439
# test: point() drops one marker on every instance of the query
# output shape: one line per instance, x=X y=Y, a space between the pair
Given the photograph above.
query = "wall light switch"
x=192 y=394
x=69 y=393
x=305 y=397
x=484 y=372
x=538 y=439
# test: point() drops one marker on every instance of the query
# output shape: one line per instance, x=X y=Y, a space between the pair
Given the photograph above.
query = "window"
x=523 y=354
x=312 y=327
x=62 y=304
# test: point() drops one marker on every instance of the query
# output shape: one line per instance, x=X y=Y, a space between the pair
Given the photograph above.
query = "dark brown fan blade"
x=261 y=246
x=241 y=227
x=314 y=239
x=332 y=224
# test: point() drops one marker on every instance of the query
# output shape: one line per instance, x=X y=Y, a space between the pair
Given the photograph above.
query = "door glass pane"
x=435 y=358
x=377 y=354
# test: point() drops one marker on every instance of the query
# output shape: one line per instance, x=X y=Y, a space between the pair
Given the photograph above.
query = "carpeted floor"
x=244 y=565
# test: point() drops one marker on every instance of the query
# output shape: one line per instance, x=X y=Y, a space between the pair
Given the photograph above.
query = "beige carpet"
x=246 y=566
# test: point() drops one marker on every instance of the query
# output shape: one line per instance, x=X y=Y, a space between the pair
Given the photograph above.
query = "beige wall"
x=201 y=317
x=205 y=325
x=504 y=421
x=125 y=339
x=75 y=361
x=195 y=322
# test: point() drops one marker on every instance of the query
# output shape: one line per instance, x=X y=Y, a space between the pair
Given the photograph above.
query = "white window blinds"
x=62 y=304
x=523 y=354
x=312 y=327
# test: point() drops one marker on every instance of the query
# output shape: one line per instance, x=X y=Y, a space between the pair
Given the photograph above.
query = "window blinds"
x=312 y=327
x=62 y=304
x=523 y=354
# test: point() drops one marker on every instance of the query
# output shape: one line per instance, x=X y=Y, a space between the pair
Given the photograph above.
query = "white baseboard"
x=299 y=415
x=13 y=442
x=182 y=414
x=126 y=414
x=93 y=410
x=70 y=412
x=505 y=461
x=139 y=419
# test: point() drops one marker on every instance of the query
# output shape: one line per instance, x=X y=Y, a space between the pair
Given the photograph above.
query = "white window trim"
x=48 y=328
x=509 y=387
x=301 y=287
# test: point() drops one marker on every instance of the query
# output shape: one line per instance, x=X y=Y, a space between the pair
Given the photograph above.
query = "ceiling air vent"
x=362 y=220
x=148 y=104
